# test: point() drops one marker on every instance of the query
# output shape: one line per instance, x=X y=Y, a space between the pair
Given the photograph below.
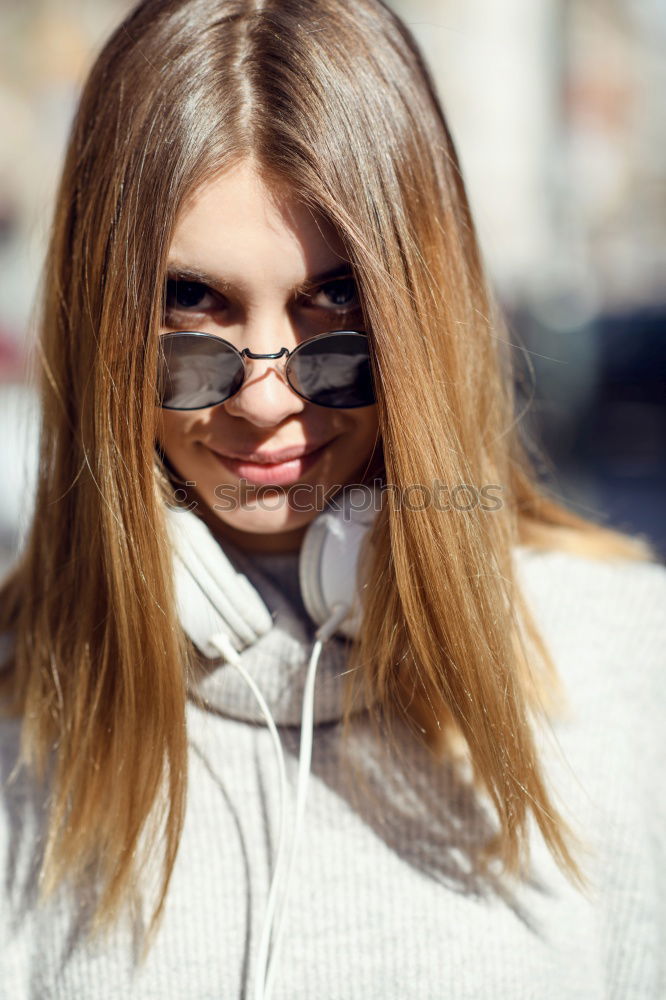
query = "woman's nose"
x=265 y=398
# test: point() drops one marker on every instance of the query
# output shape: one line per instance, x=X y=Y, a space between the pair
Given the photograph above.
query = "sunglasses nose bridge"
x=281 y=357
x=247 y=353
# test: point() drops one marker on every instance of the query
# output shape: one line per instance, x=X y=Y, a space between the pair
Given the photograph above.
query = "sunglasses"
x=198 y=370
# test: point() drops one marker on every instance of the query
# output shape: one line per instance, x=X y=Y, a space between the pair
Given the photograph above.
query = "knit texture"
x=384 y=904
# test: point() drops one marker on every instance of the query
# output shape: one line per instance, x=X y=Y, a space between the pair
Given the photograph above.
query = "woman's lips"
x=272 y=474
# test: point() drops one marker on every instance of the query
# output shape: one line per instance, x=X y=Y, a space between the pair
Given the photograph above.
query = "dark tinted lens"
x=197 y=370
x=333 y=370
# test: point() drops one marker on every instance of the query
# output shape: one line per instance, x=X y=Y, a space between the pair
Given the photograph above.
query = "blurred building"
x=46 y=47
x=555 y=108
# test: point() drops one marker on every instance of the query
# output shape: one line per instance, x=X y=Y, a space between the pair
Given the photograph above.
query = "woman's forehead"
x=235 y=227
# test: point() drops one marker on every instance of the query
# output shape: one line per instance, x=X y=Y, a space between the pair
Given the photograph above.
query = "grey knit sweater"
x=383 y=903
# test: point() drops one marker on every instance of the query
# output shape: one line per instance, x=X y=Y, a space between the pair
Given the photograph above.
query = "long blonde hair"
x=331 y=98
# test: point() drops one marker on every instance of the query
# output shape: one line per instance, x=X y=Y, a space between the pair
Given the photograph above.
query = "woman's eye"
x=340 y=294
x=181 y=295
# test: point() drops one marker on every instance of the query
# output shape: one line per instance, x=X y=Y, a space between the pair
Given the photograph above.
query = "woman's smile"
x=282 y=472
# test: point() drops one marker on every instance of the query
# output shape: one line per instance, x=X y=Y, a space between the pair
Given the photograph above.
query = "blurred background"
x=556 y=111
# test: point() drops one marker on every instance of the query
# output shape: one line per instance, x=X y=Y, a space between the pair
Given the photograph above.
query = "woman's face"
x=256 y=256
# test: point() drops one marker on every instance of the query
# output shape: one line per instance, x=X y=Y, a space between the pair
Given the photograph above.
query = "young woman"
x=263 y=289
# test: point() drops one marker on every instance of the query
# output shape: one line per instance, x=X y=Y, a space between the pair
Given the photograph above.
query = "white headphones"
x=328 y=567
x=223 y=614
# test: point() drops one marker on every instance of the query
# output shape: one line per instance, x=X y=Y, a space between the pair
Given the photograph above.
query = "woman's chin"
x=258 y=528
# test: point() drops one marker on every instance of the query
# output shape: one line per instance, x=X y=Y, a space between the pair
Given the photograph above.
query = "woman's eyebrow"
x=185 y=272
x=341 y=271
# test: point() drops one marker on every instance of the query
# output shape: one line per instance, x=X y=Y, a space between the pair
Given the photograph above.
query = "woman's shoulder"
x=604 y=621
x=23 y=807
x=629 y=589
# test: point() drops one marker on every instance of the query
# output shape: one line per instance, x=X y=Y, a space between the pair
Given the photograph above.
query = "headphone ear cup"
x=310 y=568
x=333 y=552
x=211 y=595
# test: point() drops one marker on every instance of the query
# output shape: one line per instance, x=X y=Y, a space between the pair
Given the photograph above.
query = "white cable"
x=340 y=612
x=265 y=965
x=223 y=643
